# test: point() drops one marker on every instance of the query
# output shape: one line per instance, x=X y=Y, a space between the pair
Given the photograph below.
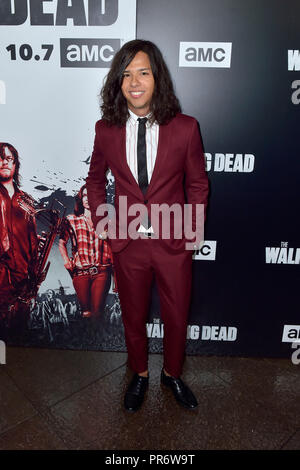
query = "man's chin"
x=4 y=179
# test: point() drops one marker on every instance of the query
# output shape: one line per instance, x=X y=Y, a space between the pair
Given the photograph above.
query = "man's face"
x=138 y=84
x=7 y=166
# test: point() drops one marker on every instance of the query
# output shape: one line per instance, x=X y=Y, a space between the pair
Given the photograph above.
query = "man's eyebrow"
x=140 y=70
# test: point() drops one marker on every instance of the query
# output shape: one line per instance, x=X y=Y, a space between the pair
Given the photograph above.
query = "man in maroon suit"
x=18 y=246
x=155 y=154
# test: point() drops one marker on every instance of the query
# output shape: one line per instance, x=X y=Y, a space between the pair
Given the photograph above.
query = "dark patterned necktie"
x=141 y=155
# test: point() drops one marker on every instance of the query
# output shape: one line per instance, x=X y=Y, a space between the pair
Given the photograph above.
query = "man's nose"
x=134 y=80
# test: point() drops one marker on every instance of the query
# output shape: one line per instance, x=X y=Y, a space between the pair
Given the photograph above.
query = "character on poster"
x=18 y=245
x=91 y=263
x=54 y=316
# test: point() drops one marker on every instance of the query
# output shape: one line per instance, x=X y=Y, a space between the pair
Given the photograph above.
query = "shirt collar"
x=133 y=117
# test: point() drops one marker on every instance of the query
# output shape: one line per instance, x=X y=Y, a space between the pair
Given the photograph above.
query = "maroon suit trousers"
x=136 y=266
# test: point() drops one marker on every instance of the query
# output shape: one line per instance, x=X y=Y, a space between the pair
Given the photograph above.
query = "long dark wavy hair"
x=3 y=146
x=164 y=104
x=78 y=207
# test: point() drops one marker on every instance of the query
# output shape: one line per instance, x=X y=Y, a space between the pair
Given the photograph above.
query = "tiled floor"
x=54 y=399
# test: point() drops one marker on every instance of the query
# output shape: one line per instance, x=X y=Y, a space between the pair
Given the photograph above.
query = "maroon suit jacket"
x=179 y=174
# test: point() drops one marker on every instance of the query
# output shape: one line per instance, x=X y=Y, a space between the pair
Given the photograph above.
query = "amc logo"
x=88 y=52
x=291 y=334
x=205 y=54
x=207 y=251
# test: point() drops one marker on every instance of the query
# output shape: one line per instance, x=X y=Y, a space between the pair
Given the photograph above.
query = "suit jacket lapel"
x=162 y=149
x=123 y=165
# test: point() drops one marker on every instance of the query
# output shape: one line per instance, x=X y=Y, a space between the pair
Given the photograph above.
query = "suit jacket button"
x=146 y=201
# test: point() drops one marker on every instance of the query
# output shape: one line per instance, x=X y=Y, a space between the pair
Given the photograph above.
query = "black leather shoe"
x=134 y=395
x=181 y=392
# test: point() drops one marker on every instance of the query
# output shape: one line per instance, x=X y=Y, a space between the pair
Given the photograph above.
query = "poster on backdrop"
x=54 y=56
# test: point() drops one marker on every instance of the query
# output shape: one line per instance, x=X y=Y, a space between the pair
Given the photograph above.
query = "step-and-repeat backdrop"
x=236 y=68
